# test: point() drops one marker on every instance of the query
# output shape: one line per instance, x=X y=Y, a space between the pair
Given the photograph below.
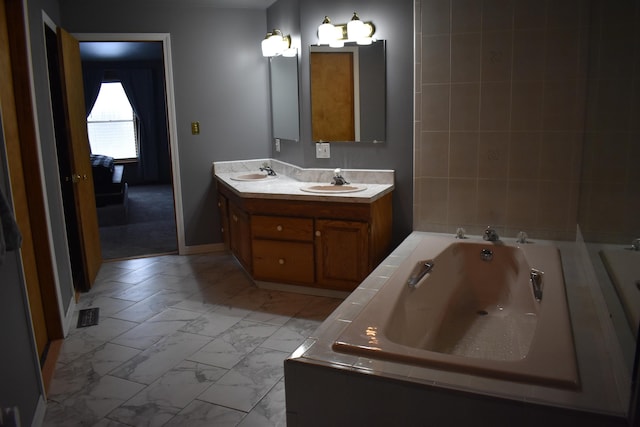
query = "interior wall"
x=394 y=23
x=500 y=115
x=21 y=385
x=220 y=80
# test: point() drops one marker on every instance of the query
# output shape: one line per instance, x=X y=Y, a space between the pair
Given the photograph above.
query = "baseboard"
x=50 y=362
x=41 y=409
x=202 y=249
x=68 y=318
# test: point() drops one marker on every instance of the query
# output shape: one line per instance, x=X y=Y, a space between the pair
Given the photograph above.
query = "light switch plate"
x=323 y=150
x=277 y=143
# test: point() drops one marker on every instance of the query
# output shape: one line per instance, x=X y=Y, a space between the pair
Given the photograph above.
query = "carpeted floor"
x=147 y=227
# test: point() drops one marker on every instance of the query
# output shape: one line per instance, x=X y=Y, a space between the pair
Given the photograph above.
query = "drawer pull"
x=279 y=228
x=318 y=233
x=281 y=261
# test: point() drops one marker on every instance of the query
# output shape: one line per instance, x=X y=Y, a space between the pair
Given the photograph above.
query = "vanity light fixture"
x=276 y=44
x=356 y=31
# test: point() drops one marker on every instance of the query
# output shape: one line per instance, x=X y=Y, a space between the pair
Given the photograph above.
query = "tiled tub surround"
x=413 y=395
x=290 y=180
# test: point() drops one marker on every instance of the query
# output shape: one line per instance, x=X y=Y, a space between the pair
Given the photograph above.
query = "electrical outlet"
x=277 y=145
x=323 y=150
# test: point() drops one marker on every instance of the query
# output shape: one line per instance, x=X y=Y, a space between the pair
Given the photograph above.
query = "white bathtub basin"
x=472 y=316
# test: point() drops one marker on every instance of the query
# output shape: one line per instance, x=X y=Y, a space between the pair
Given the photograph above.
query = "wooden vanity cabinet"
x=240 y=235
x=323 y=244
x=282 y=249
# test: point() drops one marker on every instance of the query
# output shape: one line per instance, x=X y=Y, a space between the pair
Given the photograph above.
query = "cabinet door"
x=286 y=262
x=240 y=235
x=224 y=219
x=342 y=253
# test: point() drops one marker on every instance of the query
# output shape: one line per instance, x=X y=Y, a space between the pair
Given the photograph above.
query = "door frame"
x=165 y=38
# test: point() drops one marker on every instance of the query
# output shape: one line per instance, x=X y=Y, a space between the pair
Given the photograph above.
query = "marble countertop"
x=291 y=179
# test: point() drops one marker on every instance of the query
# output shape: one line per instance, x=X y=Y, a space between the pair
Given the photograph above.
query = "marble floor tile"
x=233 y=345
x=270 y=412
x=77 y=375
x=164 y=398
x=211 y=324
x=83 y=340
x=248 y=382
x=102 y=396
x=149 y=307
x=182 y=341
x=203 y=414
x=152 y=363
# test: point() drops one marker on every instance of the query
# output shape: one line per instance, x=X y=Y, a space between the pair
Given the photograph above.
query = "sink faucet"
x=491 y=235
x=266 y=168
x=338 y=179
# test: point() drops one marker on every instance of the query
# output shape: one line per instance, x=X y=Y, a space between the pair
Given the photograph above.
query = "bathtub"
x=474 y=311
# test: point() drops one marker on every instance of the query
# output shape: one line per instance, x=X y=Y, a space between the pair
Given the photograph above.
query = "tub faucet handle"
x=536 y=282
x=635 y=245
x=522 y=237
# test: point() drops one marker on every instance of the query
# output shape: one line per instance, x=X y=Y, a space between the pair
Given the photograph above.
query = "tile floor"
x=182 y=341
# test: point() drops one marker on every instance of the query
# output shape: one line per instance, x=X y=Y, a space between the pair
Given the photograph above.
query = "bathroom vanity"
x=289 y=230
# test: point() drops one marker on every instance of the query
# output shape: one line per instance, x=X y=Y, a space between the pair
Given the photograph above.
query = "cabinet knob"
x=318 y=233
x=281 y=261
x=235 y=218
x=279 y=228
x=219 y=204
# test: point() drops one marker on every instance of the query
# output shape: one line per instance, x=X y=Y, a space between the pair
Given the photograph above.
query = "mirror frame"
x=285 y=98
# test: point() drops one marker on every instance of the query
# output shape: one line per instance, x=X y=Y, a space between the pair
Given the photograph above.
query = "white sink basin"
x=253 y=177
x=333 y=189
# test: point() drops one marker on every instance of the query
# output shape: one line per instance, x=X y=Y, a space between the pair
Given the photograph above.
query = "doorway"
x=131 y=158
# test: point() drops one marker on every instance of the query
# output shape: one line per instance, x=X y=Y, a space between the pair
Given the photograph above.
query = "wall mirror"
x=610 y=183
x=285 y=116
x=348 y=93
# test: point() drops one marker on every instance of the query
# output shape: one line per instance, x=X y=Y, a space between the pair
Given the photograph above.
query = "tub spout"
x=426 y=267
x=491 y=235
x=536 y=283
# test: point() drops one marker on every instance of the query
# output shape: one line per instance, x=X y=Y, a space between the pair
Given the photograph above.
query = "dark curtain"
x=139 y=86
x=92 y=78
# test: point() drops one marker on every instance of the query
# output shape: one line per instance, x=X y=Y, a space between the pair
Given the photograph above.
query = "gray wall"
x=20 y=385
x=394 y=23
x=220 y=80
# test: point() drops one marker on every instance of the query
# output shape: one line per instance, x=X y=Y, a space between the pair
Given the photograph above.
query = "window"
x=112 y=124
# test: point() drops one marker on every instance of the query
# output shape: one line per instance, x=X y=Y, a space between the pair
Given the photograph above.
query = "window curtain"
x=92 y=78
x=139 y=86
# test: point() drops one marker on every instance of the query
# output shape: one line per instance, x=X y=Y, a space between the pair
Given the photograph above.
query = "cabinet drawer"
x=289 y=262
x=282 y=228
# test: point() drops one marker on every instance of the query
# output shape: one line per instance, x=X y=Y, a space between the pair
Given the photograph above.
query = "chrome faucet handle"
x=338 y=179
x=635 y=244
x=522 y=237
x=460 y=233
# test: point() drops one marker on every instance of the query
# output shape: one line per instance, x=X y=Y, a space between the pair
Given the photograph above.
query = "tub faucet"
x=266 y=168
x=491 y=235
x=635 y=245
x=338 y=179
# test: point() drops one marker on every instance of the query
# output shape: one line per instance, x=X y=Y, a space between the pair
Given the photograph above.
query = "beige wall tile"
x=522 y=202
x=493 y=155
x=463 y=161
x=562 y=49
x=554 y=205
x=465 y=106
x=557 y=154
x=529 y=55
x=463 y=203
x=433 y=200
x=466 y=16
x=497 y=15
x=435 y=107
x=434 y=154
x=524 y=156
x=435 y=16
x=465 y=57
x=495 y=105
x=492 y=202
x=526 y=105
x=529 y=14
x=496 y=55
x=436 y=59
